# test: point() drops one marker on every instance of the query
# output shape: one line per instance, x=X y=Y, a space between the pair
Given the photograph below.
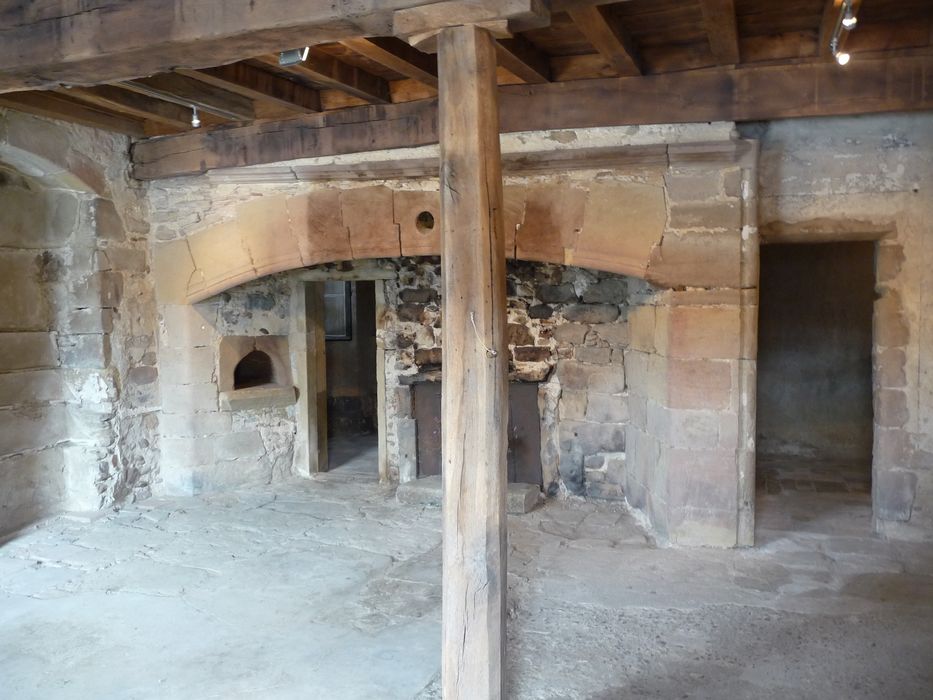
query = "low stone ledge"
x=428 y=491
x=269 y=396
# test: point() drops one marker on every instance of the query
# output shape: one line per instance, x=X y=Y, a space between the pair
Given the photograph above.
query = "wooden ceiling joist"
x=609 y=38
x=328 y=72
x=397 y=55
x=193 y=93
x=54 y=106
x=722 y=29
x=132 y=104
x=250 y=82
x=731 y=94
x=521 y=58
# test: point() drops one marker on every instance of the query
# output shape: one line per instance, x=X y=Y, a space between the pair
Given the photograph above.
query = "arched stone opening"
x=255 y=369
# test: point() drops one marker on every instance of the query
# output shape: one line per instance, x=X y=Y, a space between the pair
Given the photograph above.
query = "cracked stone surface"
x=330 y=588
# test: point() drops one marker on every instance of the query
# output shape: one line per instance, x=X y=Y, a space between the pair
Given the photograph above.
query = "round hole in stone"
x=425 y=222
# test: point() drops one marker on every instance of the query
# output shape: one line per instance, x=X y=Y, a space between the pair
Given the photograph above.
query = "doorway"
x=350 y=351
x=815 y=416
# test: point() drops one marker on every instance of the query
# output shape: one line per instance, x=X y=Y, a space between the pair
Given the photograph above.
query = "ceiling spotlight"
x=294 y=56
x=849 y=20
x=195 y=119
x=842 y=58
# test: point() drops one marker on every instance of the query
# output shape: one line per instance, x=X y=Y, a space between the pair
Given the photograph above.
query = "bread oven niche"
x=255 y=372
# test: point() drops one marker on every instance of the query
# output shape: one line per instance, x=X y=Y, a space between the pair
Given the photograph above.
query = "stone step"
x=428 y=491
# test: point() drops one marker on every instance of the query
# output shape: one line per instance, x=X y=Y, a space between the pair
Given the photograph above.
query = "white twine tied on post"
x=489 y=350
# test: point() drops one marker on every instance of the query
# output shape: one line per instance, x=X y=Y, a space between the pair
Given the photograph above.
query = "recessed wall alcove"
x=254 y=372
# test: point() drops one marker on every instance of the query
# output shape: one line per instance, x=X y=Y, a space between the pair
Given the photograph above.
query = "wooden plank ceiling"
x=586 y=39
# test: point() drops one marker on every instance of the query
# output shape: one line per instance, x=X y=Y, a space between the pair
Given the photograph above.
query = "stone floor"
x=776 y=475
x=329 y=588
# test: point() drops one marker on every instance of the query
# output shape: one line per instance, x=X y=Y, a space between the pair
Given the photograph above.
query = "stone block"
x=890 y=325
x=188 y=366
x=604 y=491
x=100 y=289
x=552 y=220
x=231 y=446
x=593 y=356
x=185 y=326
x=188 y=398
x=221 y=259
x=570 y=334
x=704 y=332
x=694 y=429
x=697 y=260
x=37 y=386
x=702 y=479
x=590 y=438
x=894 y=493
x=108 y=225
x=419 y=295
x=24 y=307
x=613 y=333
x=33 y=428
x=891 y=408
x=540 y=311
x=190 y=425
x=701 y=527
x=517 y=334
x=531 y=353
x=428 y=491
x=605 y=408
x=607 y=291
x=85 y=351
x=572 y=404
x=368 y=213
x=37 y=218
x=891 y=448
x=186 y=452
x=410 y=313
x=607 y=379
x=252 y=398
x=172 y=270
x=93 y=320
x=556 y=293
x=701 y=384
x=642 y=324
x=723 y=215
x=570 y=467
x=33 y=488
x=692 y=186
x=418 y=217
x=265 y=230
x=403 y=401
x=428 y=356
x=317 y=222
x=888 y=263
x=591 y=313
x=407 y=433
x=890 y=368
x=573 y=375
x=638 y=410
x=615 y=467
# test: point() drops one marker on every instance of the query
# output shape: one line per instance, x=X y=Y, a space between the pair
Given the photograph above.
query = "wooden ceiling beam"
x=193 y=93
x=93 y=43
x=398 y=56
x=54 y=106
x=746 y=93
x=133 y=104
x=722 y=29
x=329 y=72
x=255 y=84
x=523 y=59
x=608 y=38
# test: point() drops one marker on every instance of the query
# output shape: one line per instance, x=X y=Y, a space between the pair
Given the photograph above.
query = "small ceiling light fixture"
x=846 y=20
x=195 y=119
x=293 y=57
x=849 y=20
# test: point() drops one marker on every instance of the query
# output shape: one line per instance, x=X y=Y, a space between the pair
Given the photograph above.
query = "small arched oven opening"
x=255 y=369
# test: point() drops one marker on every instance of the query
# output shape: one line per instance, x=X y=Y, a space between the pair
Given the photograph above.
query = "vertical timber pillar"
x=475 y=399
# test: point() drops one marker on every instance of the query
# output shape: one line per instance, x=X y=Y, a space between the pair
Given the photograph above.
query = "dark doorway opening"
x=255 y=369
x=814 y=423
x=350 y=327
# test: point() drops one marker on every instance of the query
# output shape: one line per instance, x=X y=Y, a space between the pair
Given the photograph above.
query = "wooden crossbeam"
x=611 y=40
x=54 y=106
x=722 y=29
x=330 y=72
x=746 y=93
x=93 y=43
x=523 y=59
x=255 y=84
x=397 y=55
x=186 y=91
x=133 y=104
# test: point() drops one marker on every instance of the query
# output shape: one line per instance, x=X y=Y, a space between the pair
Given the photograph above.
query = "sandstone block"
x=702 y=479
x=230 y=446
x=702 y=527
x=188 y=366
x=572 y=404
x=613 y=333
x=190 y=425
x=38 y=386
x=266 y=232
x=24 y=307
x=107 y=221
x=701 y=384
x=720 y=215
x=890 y=325
x=694 y=429
x=418 y=217
x=368 y=213
x=265 y=396
x=188 y=398
x=186 y=326
x=186 y=452
x=607 y=380
x=894 y=493
x=704 y=332
x=407 y=432
x=33 y=488
x=517 y=334
x=591 y=313
x=172 y=270
x=890 y=369
x=691 y=186
x=891 y=448
x=531 y=353
x=570 y=334
x=642 y=323
x=87 y=351
x=604 y=408
x=592 y=355
x=697 y=260
x=37 y=218
x=553 y=217
x=891 y=408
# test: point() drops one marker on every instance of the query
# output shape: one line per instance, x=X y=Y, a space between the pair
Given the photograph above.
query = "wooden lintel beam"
x=255 y=84
x=54 y=106
x=330 y=72
x=133 y=104
x=721 y=29
x=397 y=55
x=746 y=93
x=608 y=38
x=187 y=92
x=523 y=59
x=91 y=43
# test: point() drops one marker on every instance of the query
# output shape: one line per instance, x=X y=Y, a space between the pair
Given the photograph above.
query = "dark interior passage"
x=814 y=360
x=350 y=325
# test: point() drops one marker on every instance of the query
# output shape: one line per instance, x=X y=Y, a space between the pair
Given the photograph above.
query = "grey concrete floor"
x=329 y=588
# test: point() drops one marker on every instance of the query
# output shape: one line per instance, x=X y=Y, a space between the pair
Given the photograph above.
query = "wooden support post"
x=475 y=399
x=309 y=363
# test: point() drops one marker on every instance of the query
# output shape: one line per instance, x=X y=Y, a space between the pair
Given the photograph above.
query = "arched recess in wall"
x=622 y=225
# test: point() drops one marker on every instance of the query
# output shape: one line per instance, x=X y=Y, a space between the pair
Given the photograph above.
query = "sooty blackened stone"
x=556 y=293
x=517 y=334
x=410 y=312
x=607 y=291
x=421 y=295
x=540 y=311
x=531 y=353
x=428 y=357
x=592 y=313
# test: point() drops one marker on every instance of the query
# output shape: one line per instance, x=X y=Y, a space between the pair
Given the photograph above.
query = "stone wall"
x=871 y=178
x=78 y=382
